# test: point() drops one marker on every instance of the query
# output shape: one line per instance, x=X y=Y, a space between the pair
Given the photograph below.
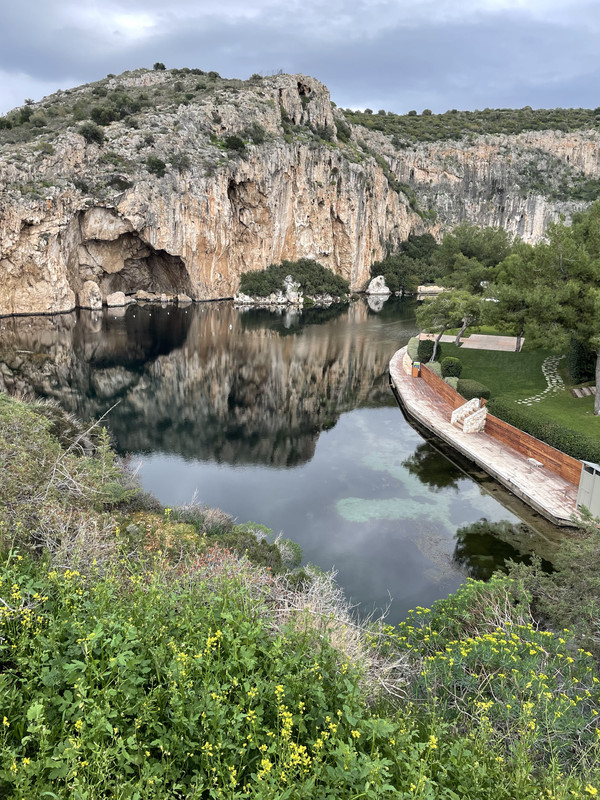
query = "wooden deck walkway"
x=546 y=492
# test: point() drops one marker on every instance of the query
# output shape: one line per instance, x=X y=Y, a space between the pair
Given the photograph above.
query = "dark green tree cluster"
x=468 y=255
x=427 y=127
x=466 y=262
x=314 y=279
x=410 y=265
x=551 y=292
x=118 y=105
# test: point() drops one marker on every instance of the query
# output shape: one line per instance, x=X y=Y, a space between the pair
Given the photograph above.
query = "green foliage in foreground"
x=178 y=683
x=165 y=666
x=314 y=279
x=488 y=670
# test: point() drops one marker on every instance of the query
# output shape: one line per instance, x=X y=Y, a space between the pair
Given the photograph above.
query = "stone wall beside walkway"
x=543 y=477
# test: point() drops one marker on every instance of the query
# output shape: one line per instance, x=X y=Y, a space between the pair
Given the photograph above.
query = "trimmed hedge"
x=568 y=441
x=434 y=366
x=453 y=382
x=425 y=351
x=451 y=367
x=470 y=389
x=412 y=348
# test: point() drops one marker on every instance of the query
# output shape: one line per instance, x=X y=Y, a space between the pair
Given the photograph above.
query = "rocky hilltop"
x=176 y=181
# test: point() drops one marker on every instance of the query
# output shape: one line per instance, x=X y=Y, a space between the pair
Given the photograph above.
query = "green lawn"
x=515 y=376
x=488 y=330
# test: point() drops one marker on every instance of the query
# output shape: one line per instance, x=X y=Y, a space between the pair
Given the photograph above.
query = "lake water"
x=285 y=419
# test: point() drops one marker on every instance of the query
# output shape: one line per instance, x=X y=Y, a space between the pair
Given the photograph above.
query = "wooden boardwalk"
x=546 y=492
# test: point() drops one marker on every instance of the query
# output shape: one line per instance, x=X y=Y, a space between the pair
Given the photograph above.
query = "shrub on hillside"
x=156 y=166
x=92 y=133
x=451 y=367
x=470 y=389
x=235 y=143
x=180 y=161
x=104 y=115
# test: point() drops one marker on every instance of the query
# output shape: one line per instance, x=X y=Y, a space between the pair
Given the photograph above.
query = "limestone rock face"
x=90 y=296
x=378 y=286
x=117 y=299
x=97 y=214
x=103 y=224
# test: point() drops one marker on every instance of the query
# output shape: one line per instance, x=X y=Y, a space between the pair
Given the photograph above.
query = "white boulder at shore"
x=377 y=286
x=117 y=299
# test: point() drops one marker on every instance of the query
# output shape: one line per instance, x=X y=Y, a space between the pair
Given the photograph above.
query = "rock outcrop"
x=378 y=286
x=208 y=178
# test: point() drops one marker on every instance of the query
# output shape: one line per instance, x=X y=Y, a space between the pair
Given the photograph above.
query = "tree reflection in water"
x=482 y=547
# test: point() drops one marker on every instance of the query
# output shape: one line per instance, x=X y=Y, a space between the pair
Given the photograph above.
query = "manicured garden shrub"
x=470 y=388
x=451 y=367
x=565 y=439
x=581 y=361
x=413 y=348
x=425 y=350
x=434 y=366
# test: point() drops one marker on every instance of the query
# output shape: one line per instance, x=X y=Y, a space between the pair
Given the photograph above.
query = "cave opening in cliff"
x=134 y=265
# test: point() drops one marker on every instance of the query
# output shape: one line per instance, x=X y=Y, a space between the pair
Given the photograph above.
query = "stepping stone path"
x=583 y=391
x=553 y=379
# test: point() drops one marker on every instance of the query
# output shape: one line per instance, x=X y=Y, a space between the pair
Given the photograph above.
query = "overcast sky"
x=393 y=54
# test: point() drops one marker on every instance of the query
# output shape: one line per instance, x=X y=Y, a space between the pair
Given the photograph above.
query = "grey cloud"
x=367 y=53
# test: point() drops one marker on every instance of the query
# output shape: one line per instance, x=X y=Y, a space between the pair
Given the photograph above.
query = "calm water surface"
x=284 y=419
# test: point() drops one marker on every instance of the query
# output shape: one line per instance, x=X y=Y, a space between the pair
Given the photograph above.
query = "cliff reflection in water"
x=207 y=382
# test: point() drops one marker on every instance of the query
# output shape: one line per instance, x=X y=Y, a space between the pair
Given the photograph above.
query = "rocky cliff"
x=190 y=179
